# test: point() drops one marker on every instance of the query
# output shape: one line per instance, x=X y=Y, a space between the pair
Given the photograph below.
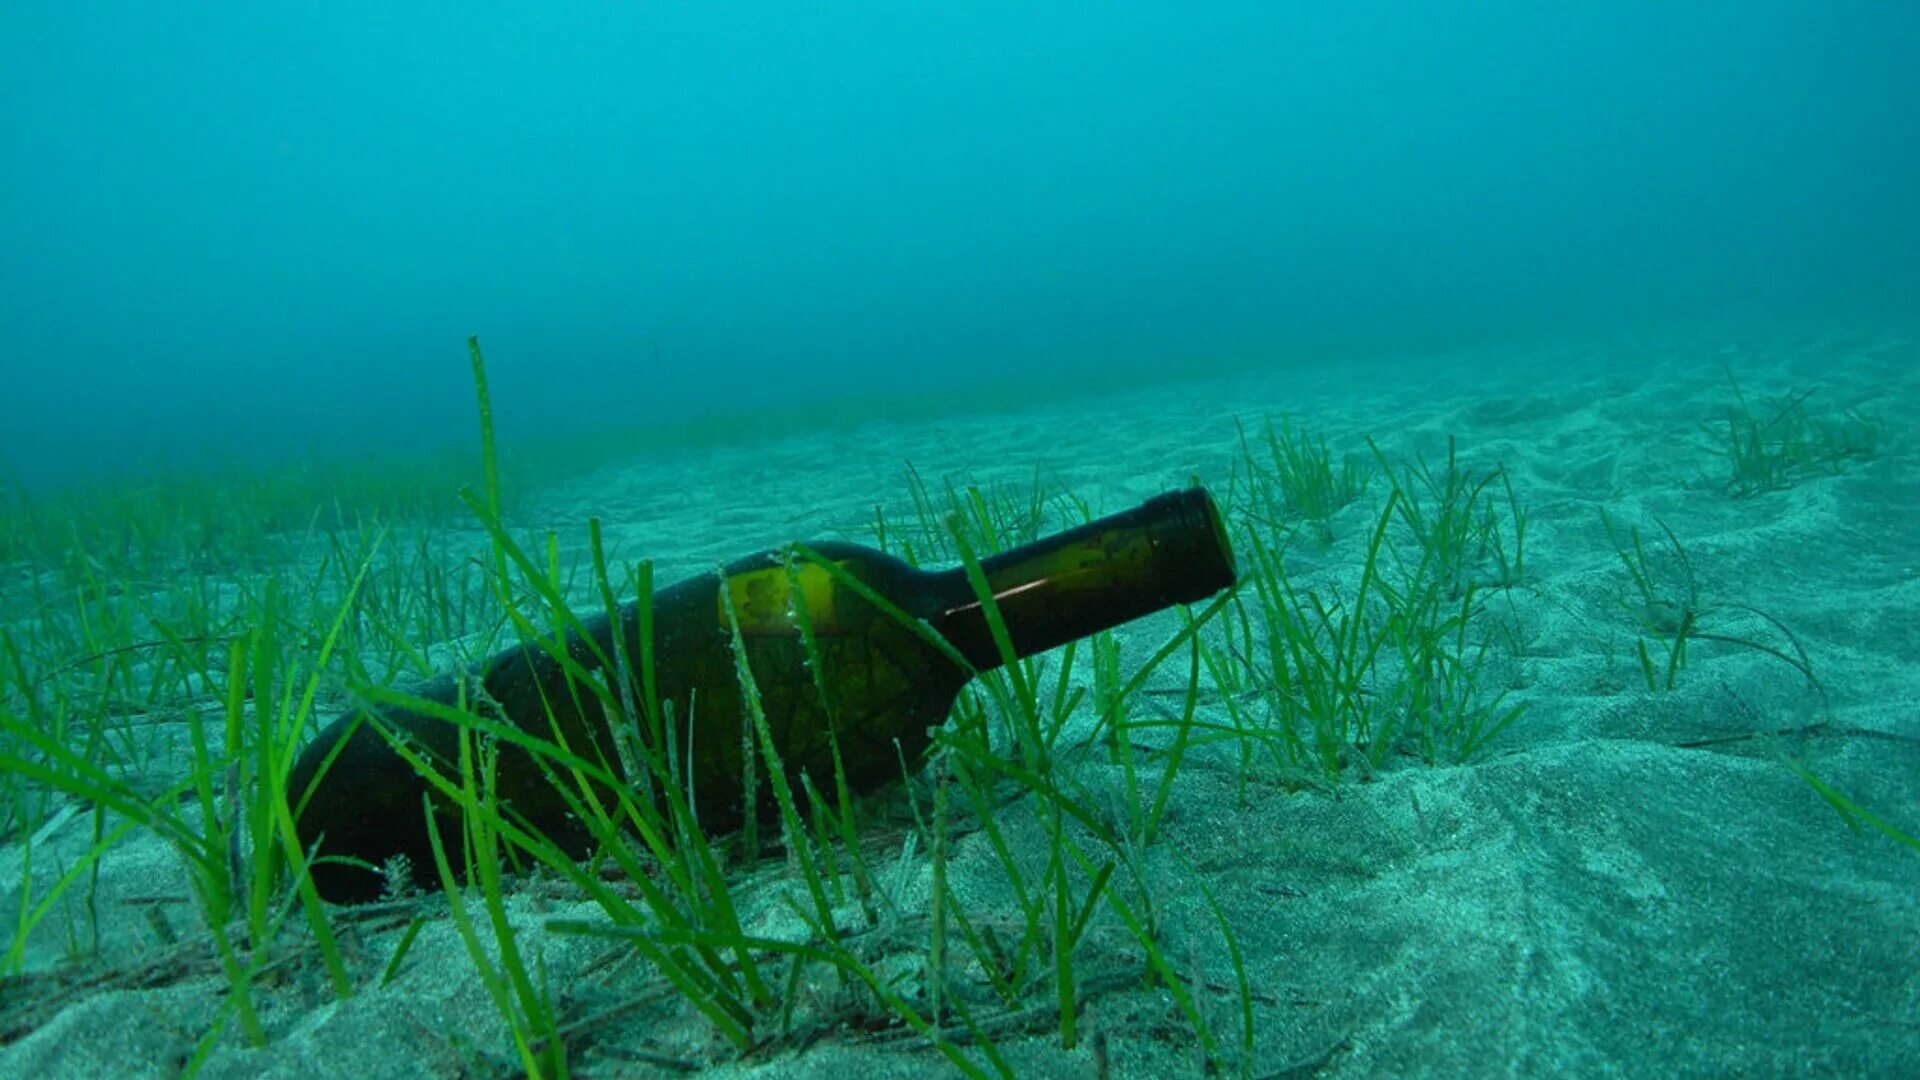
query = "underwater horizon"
x=257 y=234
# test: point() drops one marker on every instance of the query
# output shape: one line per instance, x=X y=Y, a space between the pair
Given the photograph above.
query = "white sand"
x=1592 y=897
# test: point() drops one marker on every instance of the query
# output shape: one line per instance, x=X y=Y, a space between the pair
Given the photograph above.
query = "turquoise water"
x=1655 y=274
x=247 y=232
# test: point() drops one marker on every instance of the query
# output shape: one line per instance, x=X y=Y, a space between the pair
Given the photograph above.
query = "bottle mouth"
x=1224 y=537
x=1199 y=547
x=1227 y=570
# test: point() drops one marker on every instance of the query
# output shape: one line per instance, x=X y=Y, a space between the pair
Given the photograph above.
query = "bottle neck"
x=1172 y=549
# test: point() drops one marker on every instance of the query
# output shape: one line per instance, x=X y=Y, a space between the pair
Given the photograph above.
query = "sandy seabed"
x=1626 y=883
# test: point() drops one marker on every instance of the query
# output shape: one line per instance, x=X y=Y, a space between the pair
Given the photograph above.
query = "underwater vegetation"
x=1668 y=606
x=1786 y=441
x=135 y=698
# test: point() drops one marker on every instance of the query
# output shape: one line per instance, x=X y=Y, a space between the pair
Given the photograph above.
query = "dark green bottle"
x=885 y=682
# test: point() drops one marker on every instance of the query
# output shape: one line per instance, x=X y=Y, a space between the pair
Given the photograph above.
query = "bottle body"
x=885 y=686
